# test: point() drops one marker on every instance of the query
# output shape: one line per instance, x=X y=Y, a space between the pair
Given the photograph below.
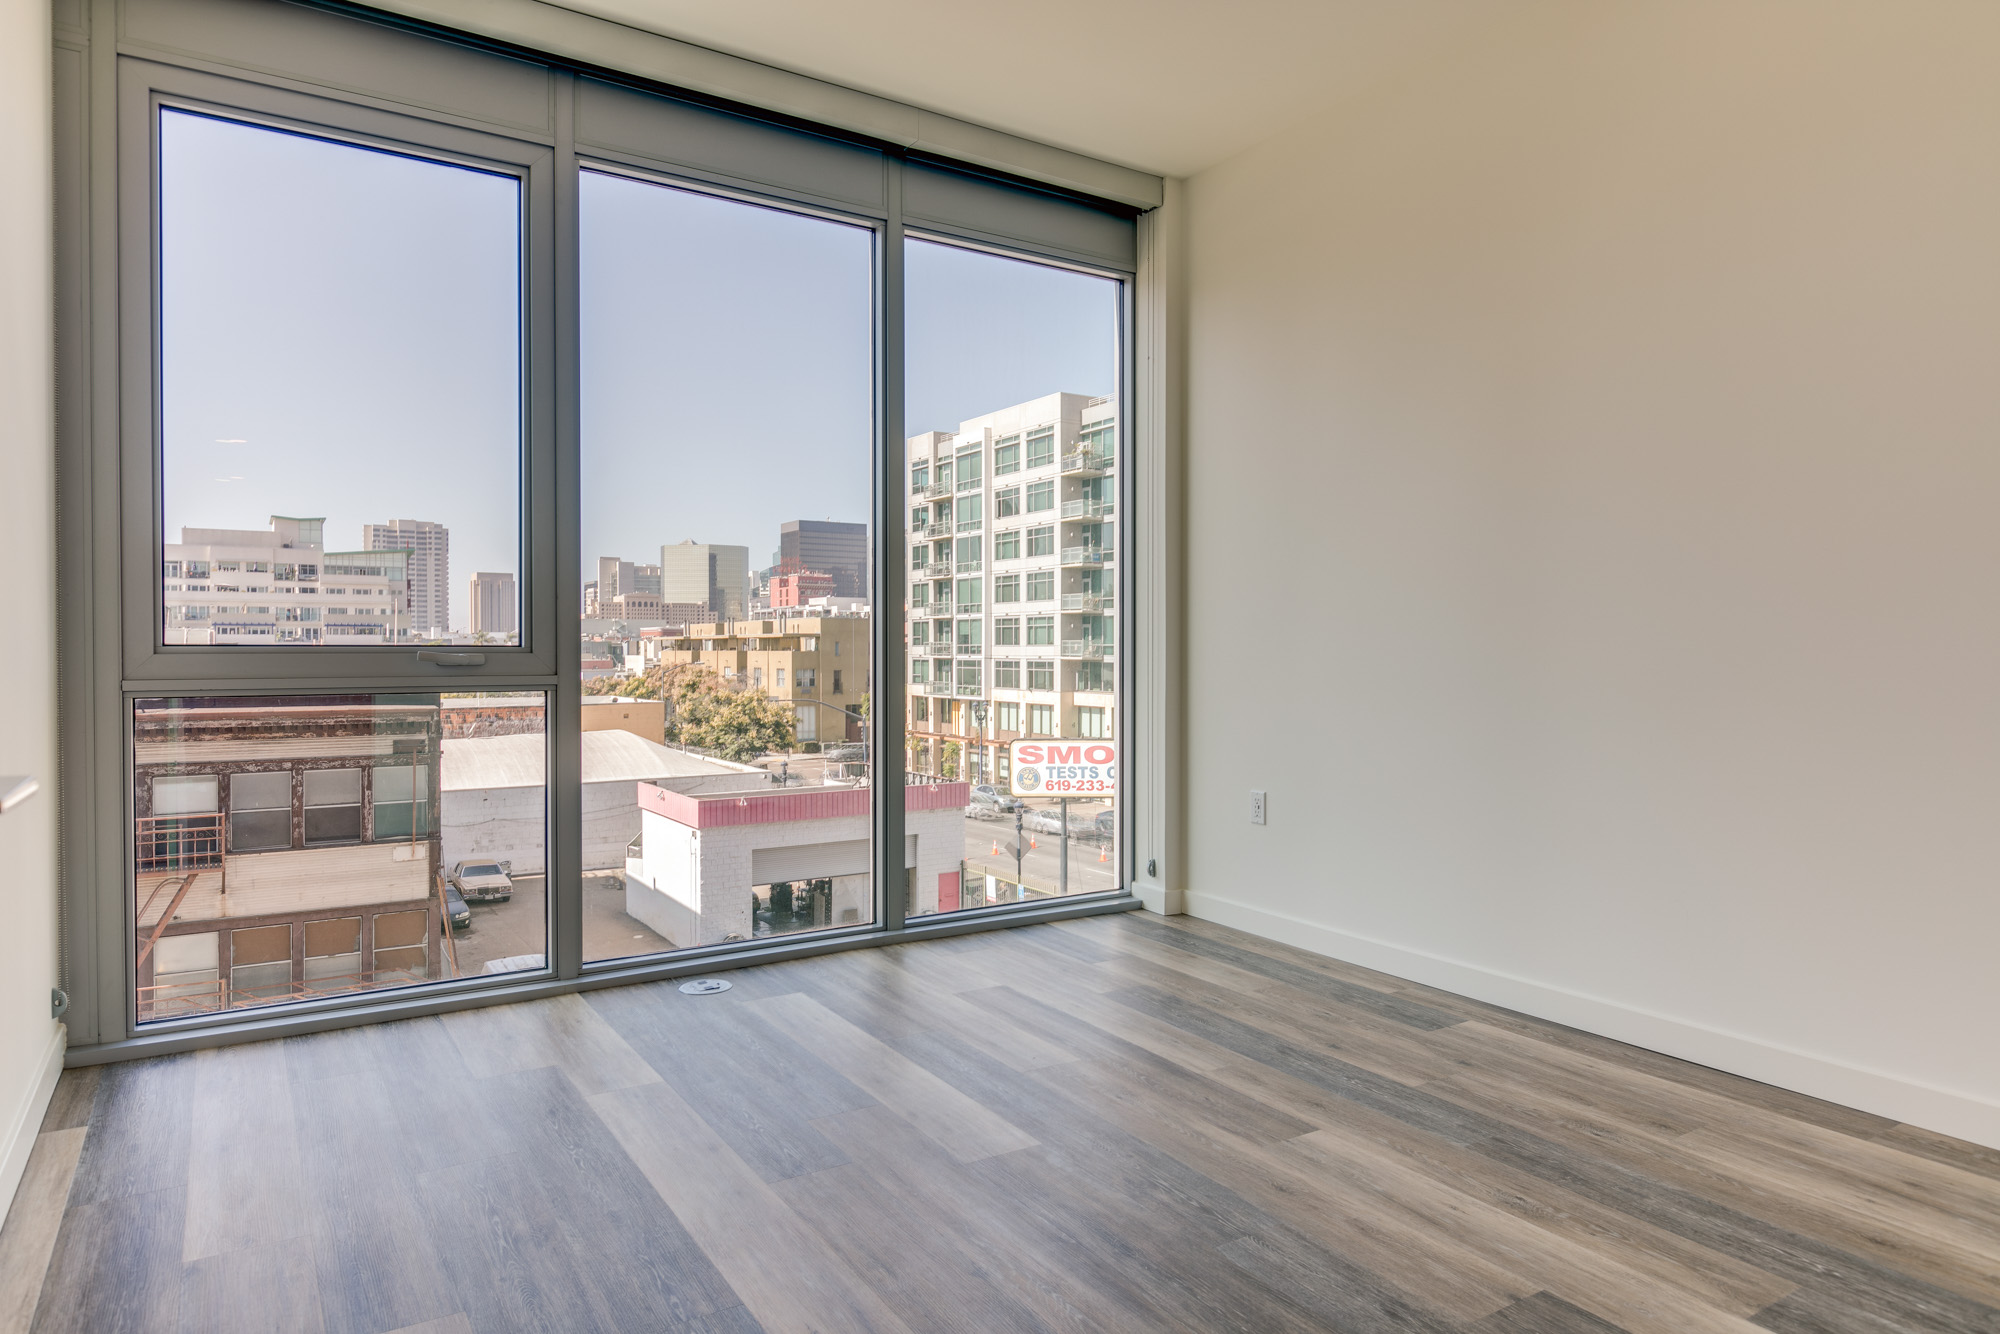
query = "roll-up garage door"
x=818 y=861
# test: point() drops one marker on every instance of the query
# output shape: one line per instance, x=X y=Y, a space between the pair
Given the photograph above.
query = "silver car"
x=484 y=882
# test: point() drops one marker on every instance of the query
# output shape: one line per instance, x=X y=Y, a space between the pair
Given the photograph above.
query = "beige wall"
x=29 y=1039
x=1617 y=397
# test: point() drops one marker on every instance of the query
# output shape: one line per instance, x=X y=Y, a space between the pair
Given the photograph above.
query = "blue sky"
x=341 y=339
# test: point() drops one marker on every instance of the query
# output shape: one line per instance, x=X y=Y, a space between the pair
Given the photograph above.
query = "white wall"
x=1597 y=433
x=30 y=1041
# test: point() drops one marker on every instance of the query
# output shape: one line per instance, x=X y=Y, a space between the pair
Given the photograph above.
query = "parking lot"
x=518 y=927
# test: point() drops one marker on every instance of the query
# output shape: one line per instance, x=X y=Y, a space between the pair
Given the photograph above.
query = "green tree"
x=736 y=724
x=948 y=768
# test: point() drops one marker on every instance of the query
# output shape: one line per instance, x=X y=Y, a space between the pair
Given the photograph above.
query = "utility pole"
x=1019 y=840
x=1062 y=873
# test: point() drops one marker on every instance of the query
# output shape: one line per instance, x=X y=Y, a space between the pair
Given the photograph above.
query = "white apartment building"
x=1012 y=579
x=429 y=545
x=280 y=586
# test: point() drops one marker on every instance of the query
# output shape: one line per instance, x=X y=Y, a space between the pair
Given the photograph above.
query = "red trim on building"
x=727 y=809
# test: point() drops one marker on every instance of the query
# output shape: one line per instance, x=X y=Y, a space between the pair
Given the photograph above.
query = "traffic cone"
x=1104 y=854
x=996 y=849
x=1032 y=845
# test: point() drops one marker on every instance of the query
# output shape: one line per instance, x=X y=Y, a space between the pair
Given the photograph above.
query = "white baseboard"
x=1945 y=1111
x=27 y=1119
x=1160 y=899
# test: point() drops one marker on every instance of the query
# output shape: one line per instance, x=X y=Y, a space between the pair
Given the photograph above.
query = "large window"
x=1025 y=357
x=497 y=526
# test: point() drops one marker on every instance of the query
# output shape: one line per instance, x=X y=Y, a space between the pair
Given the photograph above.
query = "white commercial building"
x=280 y=586
x=429 y=545
x=495 y=604
x=1012 y=580
x=701 y=857
x=493 y=794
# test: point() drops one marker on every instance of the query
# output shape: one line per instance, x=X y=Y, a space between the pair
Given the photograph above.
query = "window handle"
x=451 y=659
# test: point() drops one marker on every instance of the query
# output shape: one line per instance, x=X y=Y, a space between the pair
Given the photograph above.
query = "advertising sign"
x=1064 y=768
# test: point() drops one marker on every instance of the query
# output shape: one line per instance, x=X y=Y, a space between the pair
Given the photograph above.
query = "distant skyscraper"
x=429 y=545
x=838 y=549
x=716 y=577
x=493 y=604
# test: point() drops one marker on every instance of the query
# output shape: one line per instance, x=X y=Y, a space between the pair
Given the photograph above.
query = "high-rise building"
x=716 y=577
x=429 y=545
x=494 y=605
x=280 y=586
x=1011 y=604
x=836 y=549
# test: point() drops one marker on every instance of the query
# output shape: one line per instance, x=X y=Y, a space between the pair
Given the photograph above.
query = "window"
x=402 y=802
x=1041 y=495
x=1042 y=447
x=1007 y=713
x=1042 y=541
x=454 y=357
x=260 y=810
x=1090 y=722
x=1006 y=676
x=333 y=806
x=1007 y=630
x=1041 y=585
x=1041 y=717
x=1041 y=629
x=1100 y=438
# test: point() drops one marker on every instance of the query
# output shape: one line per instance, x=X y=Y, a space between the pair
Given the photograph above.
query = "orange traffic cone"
x=1032 y=845
x=1104 y=854
x=996 y=849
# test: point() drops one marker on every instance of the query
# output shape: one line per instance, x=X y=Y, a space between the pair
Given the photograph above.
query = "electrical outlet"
x=1256 y=807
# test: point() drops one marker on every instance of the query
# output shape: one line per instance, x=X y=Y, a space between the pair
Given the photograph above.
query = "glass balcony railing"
x=969 y=566
x=937 y=688
x=1086 y=556
x=971 y=525
x=1086 y=509
x=1086 y=460
x=1086 y=648
x=1087 y=601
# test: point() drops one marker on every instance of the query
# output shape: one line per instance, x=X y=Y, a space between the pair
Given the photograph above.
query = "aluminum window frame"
x=118 y=63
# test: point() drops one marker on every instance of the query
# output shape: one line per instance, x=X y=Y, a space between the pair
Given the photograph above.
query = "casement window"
x=393 y=462
x=1041 y=717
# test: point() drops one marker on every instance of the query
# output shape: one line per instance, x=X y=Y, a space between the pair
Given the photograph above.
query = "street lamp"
x=979 y=735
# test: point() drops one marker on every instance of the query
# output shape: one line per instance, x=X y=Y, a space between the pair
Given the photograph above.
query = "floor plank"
x=1127 y=1124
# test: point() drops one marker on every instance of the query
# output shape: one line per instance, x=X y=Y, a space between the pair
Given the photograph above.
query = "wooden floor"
x=1118 y=1124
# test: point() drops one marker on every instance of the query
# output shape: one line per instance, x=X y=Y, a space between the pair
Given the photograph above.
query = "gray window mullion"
x=886 y=691
x=565 y=790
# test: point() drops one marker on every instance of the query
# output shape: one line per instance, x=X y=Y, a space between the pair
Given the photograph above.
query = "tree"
x=949 y=767
x=736 y=724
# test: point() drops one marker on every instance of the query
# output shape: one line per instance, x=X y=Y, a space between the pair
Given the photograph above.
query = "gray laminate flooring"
x=1117 y=1124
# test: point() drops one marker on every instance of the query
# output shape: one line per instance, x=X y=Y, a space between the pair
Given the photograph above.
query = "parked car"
x=985 y=794
x=1106 y=825
x=456 y=908
x=1047 y=820
x=484 y=882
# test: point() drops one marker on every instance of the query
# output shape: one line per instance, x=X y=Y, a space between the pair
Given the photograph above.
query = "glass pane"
x=1011 y=379
x=727 y=421
x=340 y=392
x=334 y=875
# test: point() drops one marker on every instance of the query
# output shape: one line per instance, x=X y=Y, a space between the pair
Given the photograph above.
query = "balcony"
x=970 y=566
x=1086 y=648
x=935 y=489
x=177 y=842
x=971 y=525
x=1087 y=601
x=1085 y=556
x=1087 y=462
x=1087 y=509
x=937 y=688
